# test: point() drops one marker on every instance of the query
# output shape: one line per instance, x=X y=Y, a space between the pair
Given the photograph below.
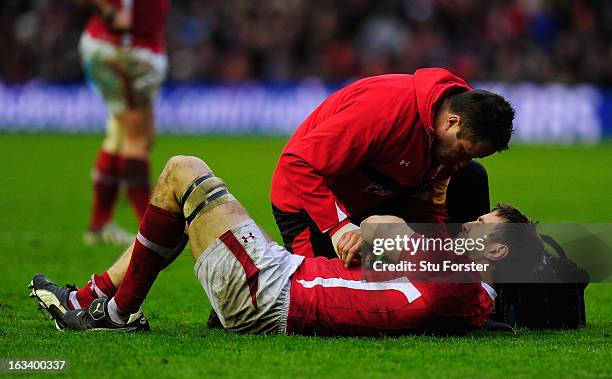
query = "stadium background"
x=243 y=74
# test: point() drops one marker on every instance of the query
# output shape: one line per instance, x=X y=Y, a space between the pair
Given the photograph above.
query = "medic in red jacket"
x=386 y=137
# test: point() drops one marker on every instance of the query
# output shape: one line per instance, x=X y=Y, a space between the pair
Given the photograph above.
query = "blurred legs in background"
x=128 y=80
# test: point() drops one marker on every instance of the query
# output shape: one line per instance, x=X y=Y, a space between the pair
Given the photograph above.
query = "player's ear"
x=452 y=120
x=497 y=253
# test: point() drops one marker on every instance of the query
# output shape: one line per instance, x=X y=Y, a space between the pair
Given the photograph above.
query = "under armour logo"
x=404 y=163
x=246 y=238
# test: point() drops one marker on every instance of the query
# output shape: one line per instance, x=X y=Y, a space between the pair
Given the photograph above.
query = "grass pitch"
x=44 y=208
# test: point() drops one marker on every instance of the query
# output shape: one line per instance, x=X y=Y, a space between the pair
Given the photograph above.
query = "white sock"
x=115 y=314
x=72 y=299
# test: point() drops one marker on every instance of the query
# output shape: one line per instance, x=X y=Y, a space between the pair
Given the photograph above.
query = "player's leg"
x=105 y=177
x=141 y=74
x=251 y=275
x=95 y=56
x=160 y=239
x=106 y=181
x=128 y=82
x=137 y=129
x=245 y=275
x=70 y=297
x=101 y=285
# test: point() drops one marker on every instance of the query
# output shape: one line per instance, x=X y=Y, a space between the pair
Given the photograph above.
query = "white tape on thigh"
x=204 y=194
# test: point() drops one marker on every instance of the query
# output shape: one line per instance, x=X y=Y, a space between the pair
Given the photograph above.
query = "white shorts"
x=124 y=77
x=247 y=280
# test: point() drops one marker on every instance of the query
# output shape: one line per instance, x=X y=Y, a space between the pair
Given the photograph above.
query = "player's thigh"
x=136 y=123
x=247 y=279
x=205 y=229
x=125 y=78
x=97 y=58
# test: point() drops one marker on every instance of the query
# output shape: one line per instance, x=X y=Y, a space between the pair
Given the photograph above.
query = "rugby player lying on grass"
x=255 y=285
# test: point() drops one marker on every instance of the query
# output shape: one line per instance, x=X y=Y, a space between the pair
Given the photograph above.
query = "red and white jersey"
x=327 y=299
x=148 y=25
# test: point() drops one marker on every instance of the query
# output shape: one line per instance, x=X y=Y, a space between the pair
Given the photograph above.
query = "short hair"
x=484 y=116
x=510 y=214
x=525 y=246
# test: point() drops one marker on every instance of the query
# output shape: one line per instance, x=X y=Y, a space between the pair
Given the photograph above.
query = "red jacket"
x=382 y=122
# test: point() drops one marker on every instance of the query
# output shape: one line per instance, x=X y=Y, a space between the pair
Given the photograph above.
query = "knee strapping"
x=204 y=194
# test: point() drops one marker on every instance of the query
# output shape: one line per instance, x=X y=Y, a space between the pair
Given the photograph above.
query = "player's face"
x=448 y=148
x=479 y=229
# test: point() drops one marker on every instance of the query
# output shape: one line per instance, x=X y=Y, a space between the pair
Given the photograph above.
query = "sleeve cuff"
x=335 y=237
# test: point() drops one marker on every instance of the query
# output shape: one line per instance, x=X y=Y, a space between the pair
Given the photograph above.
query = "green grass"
x=44 y=207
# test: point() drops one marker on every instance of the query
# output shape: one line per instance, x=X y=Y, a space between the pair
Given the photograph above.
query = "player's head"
x=472 y=124
x=511 y=243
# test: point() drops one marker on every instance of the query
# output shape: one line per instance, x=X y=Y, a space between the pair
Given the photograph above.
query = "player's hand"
x=349 y=245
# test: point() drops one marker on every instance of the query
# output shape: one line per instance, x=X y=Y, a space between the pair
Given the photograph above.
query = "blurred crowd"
x=277 y=40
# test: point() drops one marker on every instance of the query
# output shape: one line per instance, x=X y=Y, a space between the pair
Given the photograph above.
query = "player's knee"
x=180 y=165
x=181 y=170
x=204 y=191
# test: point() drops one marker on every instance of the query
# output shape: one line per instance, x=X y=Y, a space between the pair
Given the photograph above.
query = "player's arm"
x=119 y=19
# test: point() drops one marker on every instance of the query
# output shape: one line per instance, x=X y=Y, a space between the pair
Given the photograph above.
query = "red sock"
x=158 y=237
x=135 y=174
x=98 y=286
x=105 y=189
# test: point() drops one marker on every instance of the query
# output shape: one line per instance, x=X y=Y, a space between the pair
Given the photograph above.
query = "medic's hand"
x=349 y=245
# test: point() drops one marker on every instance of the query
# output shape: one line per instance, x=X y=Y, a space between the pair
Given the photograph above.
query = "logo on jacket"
x=378 y=189
x=404 y=163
